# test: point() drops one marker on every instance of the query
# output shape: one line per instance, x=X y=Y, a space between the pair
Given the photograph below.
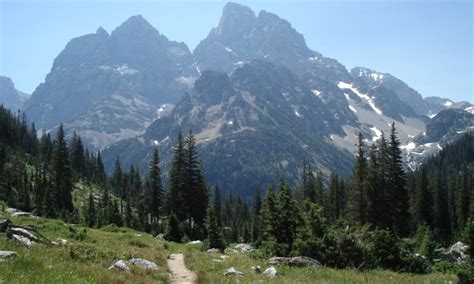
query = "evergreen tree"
x=441 y=220
x=462 y=198
x=214 y=231
x=155 y=187
x=177 y=177
x=396 y=184
x=256 y=219
x=77 y=155
x=91 y=217
x=216 y=204
x=117 y=179
x=269 y=226
x=423 y=202
x=173 y=231
x=62 y=175
x=358 y=186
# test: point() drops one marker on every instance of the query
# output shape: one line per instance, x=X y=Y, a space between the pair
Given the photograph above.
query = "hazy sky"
x=428 y=44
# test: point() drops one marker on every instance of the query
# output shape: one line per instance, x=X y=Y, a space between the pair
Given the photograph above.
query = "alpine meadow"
x=251 y=158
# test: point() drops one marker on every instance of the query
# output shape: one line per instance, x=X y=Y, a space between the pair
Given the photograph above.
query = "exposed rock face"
x=241 y=37
x=10 y=97
x=447 y=125
x=113 y=85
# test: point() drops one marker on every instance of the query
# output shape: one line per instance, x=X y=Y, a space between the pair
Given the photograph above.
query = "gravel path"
x=179 y=273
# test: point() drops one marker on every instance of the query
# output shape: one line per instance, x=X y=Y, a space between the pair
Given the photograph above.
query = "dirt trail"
x=179 y=273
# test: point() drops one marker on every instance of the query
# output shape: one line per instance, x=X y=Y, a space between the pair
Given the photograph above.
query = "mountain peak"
x=135 y=24
x=101 y=32
x=236 y=20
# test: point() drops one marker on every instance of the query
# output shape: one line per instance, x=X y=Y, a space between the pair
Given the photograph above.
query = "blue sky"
x=427 y=44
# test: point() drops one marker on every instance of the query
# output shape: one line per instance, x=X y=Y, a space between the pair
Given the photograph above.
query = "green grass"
x=87 y=261
x=210 y=271
x=84 y=261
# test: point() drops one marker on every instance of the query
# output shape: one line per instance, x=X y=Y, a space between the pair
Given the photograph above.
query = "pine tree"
x=462 y=198
x=256 y=218
x=423 y=201
x=269 y=221
x=62 y=175
x=177 y=177
x=358 y=186
x=117 y=179
x=397 y=190
x=214 y=231
x=77 y=155
x=216 y=204
x=173 y=231
x=91 y=217
x=155 y=187
x=441 y=220
x=196 y=195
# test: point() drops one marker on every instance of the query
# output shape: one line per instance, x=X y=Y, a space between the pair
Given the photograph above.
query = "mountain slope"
x=10 y=97
x=99 y=77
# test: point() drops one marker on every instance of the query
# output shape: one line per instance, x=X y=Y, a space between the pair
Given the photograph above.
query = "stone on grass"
x=160 y=237
x=11 y=210
x=213 y=250
x=5 y=255
x=61 y=241
x=224 y=257
x=143 y=263
x=216 y=260
x=229 y=250
x=299 y=261
x=233 y=271
x=271 y=271
x=244 y=248
x=22 y=214
x=121 y=265
x=23 y=240
x=24 y=233
x=197 y=242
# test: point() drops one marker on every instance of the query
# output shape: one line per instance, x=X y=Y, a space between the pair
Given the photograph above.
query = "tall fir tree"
x=62 y=174
x=155 y=187
x=358 y=185
x=177 y=180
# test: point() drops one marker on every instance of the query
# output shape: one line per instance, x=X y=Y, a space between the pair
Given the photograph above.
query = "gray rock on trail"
x=5 y=255
x=143 y=263
x=121 y=265
x=299 y=261
x=213 y=250
x=271 y=271
x=233 y=271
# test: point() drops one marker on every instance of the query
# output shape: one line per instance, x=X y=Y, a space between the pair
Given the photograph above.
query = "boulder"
x=304 y=261
x=224 y=257
x=299 y=261
x=257 y=269
x=62 y=241
x=23 y=240
x=213 y=250
x=278 y=260
x=24 y=233
x=456 y=253
x=22 y=214
x=160 y=237
x=229 y=250
x=244 y=248
x=5 y=255
x=11 y=210
x=197 y=242
x=121 y=265
x=143 y=263
x=233 y=271
x=271 y=271
x=217 y=260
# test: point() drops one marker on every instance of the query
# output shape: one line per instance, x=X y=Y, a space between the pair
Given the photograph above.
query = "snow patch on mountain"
x=448 y=103
x=378 y=133
x=370 y=101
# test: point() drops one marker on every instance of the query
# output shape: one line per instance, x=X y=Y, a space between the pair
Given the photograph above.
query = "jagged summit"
x=101 y=32
x=133 y=25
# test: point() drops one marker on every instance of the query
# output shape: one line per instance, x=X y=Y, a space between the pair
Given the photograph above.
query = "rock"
x=257 y=269
x=456 y=253
x=22 y=214
x=62 y=241
x=278 y=260
x=160 y=237
x=229 y=250
x=299 y=261
x=244 y=248
x=197 y=242
x=224 y=257
x=143 y=263
x=24 y=233
x=120 y=264
x=233 y=271
x=5 y=255
x=459 y=247
x=217 y=260
x=23 y=240
x=11 y=210
x=271 y=271
x=213 y=250
x=304 y=261
x=138 y=235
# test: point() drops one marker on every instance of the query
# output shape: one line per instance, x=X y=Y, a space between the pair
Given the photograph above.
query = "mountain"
x=10 y=97
x=241 y=37
x=110 y=87
x=437 y=104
